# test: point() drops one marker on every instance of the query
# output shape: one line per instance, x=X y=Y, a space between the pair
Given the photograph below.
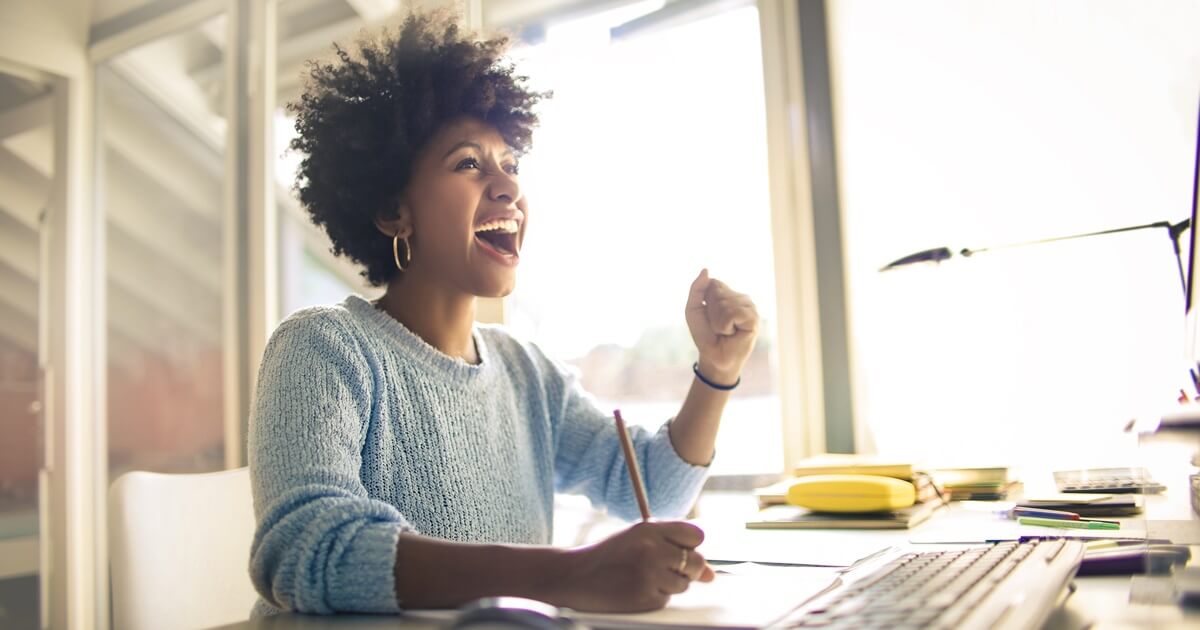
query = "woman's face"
x=468 y=214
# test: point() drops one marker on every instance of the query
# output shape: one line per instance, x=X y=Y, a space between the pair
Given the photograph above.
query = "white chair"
x=179 y=549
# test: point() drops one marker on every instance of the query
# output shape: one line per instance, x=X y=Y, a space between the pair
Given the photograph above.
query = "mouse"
x=513 y=613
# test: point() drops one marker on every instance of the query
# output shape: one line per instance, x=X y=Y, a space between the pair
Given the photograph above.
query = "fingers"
x=729 y=319
x=726 y=310
x=674 y=584
x=716 y=290
x=694 y=567
x=698 y=290
x=681 y=534
x=681 y=557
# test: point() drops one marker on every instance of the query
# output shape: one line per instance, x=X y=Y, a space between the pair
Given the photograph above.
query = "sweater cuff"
x=366 y=580
x=672 y=482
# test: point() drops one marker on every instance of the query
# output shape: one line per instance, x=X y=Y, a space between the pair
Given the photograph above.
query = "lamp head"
x=935 y=255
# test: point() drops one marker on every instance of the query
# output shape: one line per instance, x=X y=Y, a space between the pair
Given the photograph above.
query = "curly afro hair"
x=364 y=117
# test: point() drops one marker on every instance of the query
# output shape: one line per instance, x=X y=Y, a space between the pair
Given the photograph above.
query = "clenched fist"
x=724 y=325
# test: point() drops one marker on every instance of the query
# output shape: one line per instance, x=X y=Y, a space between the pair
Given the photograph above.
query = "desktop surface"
x=1098 y=602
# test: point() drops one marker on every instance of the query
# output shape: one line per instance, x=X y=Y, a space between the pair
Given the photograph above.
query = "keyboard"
x=1107 y=481
x=1003 y=585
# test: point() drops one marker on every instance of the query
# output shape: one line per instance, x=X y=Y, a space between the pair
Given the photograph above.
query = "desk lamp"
x=938 y=254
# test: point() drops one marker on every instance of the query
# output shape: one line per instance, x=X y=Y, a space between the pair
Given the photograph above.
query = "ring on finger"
x=683 y=558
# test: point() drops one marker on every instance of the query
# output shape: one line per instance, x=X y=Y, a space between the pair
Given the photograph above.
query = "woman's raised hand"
x=724 y=325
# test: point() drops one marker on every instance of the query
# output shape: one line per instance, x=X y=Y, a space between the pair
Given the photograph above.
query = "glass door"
x=26 y=176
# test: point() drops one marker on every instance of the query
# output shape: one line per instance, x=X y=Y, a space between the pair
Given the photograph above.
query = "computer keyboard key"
x=1051 y=548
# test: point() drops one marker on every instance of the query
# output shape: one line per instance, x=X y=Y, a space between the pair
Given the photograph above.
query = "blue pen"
x=1014 y=513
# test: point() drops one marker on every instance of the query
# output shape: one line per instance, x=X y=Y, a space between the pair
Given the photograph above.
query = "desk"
x=1099 y=602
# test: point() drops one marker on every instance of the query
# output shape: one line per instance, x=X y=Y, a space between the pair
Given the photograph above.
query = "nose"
x=504 y=187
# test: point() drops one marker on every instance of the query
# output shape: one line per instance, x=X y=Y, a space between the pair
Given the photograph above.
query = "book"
x=795 y=517
x=842 y=464
x=984 y=492
x=971 y=476
x=1090 y=505
x=976 y=484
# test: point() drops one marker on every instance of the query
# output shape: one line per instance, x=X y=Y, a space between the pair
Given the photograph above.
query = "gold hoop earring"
x=396 y=252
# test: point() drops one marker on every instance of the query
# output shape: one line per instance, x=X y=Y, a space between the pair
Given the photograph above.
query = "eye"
x=467 y=163
x=512 y=168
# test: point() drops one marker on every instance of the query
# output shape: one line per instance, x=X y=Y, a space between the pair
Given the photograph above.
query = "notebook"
x=795 y=517
x=1089 y=504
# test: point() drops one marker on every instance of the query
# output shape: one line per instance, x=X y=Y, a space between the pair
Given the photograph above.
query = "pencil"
x=635 y=475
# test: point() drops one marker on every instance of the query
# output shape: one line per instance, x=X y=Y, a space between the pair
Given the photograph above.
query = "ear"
x=400 y=223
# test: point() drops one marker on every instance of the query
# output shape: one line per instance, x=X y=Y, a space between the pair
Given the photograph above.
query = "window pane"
x=309 y=273
x=161 y=167
x=26 y=185
x=649 y=165
x=969 y=126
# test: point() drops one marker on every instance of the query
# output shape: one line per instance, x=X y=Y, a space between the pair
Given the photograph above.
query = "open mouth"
x=500 y=235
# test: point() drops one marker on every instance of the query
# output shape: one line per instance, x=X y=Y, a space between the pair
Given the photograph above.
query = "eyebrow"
x=472 y=145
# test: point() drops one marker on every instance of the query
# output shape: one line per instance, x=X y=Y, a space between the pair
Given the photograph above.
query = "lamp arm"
x=1175 y=231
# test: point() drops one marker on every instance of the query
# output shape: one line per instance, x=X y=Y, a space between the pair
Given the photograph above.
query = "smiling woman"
x=403 y=456
x=362 y=121
x=459 y=221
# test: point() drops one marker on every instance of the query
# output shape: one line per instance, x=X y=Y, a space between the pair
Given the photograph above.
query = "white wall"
x=976 y=124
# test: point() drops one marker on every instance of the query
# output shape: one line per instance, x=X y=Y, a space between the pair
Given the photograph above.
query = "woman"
x=403 y=456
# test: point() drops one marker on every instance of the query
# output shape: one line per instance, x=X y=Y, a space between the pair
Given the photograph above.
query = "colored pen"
x=1057 y=522
x=1043 y=513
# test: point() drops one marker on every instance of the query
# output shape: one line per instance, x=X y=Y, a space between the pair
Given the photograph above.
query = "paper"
x=750 y=600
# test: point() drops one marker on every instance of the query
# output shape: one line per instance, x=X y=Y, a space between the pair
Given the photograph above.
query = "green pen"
x=1055 y=522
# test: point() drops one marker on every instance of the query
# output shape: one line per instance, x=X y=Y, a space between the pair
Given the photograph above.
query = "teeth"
x=505 y=225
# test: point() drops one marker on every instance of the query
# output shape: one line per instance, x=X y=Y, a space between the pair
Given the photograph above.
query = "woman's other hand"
x=636 y=570
x=724 y=325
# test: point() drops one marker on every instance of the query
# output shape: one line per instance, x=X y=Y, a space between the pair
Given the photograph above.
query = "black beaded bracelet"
x=724 y=388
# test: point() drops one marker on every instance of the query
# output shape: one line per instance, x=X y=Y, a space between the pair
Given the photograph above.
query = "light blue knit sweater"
x=361 y=430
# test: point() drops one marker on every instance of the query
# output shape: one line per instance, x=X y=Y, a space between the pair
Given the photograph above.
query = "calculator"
x=1107 y=481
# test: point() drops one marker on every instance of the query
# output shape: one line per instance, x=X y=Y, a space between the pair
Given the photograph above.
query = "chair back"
x=179 y=549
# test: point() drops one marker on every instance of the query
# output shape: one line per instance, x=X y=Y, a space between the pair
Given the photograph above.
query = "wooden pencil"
x=635 y=474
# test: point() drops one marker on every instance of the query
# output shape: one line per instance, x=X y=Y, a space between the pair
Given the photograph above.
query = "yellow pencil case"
x=851 y=493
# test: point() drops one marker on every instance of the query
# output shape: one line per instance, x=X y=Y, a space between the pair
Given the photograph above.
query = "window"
x=978 y=125
x=309 y=273
x=27 y=179
x=160 y=172
x=650 y=164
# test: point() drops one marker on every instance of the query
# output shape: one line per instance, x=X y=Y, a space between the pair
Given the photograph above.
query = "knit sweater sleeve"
x=588 y=459
x=322 y=545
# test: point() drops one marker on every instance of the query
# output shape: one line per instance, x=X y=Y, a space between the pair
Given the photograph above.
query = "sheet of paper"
x=749 y=600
